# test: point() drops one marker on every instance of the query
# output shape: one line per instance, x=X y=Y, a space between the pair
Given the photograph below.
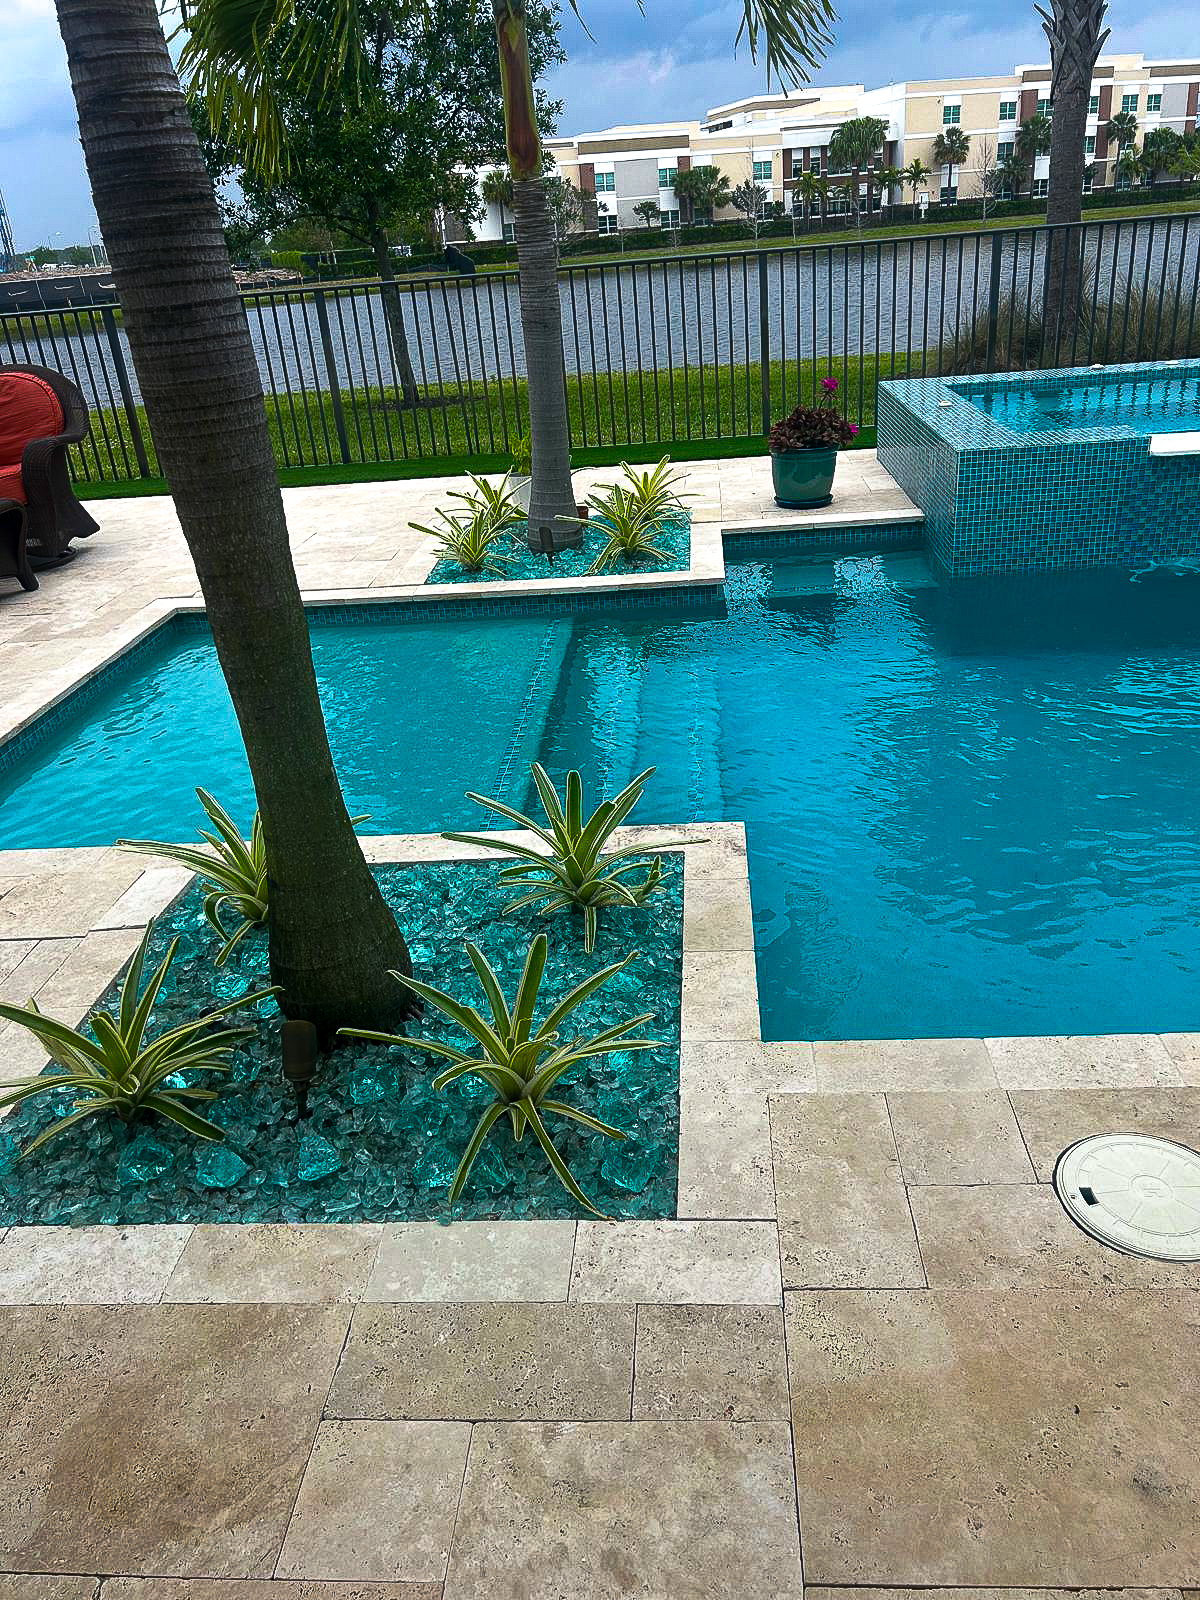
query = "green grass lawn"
x=638 y=416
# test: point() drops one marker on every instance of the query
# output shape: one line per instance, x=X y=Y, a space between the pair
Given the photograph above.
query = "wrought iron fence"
x=672 y=351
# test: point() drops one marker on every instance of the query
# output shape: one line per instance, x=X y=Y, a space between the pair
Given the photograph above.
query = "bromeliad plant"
x=235 y=873
x=633 y=514
x=579 y=873
x=474 y=541
x=494 y=500
x=520 y=1062
x=117 y=1070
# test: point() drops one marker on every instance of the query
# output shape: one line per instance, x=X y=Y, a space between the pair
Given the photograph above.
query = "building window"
x=1093 y=105
x=606 y=183
x=1008 y=111
x=762 y=171
x=1087 y=182
x=666 y=177
x=669 y=219
x=1040 y=188
x=607 y=223
x=949 y=195
x=951 y=114
x=1129 y=102
x=1045 y=109
x=510 y=232
x=1089 y=145
x=1154 y=102
x=1006 y=149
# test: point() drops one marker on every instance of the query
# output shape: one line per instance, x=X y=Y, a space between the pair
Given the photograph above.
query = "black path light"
x=541 y=541
x=299 y=1044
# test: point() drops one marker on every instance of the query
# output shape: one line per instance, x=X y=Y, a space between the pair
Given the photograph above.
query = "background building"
x=772 y=139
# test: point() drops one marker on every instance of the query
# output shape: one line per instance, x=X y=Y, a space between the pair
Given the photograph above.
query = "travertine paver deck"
x=871 y=1321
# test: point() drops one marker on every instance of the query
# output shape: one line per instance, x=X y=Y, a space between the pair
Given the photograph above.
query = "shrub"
x=520 y=1062
x=117 y=1070
x=814 y=427
x=578 y=872
x=473 y=542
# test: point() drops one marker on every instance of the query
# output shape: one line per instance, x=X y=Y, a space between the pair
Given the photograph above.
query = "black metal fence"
x=674 y=351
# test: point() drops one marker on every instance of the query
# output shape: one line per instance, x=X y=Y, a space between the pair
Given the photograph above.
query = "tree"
x=389 y=150
x=1130 y=167
x=748 y=199
x=1121 y=130
x=496 y=190
x=987 y=172
x=915 y=174
x=1034 y=139
x=852 y=148
x=1160 y=149
x=332 y=938
x=703 y=191
x=566 y=204
x=805 y=189
x=649 y=213
x=950 y=150
x=1011 y=172
x=1073 y=28
x=231 y=40
x=890 y=179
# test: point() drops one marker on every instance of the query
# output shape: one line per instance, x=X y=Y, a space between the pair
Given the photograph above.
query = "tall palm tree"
x=852 y=147
x=890 y=179
x=915 y=174
x=1073 y=28
x=496 y=190
x=950 y=150
x=1011 y=172
x=1035 y=137
x=332 y=938
x=1121 y=130
x=227 y=53
x=703 y=190
x=806 y=187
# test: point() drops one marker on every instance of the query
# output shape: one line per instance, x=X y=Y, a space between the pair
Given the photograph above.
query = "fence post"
x=764 y=340
x=335 y=392
x=109 y=318
x=994 y=298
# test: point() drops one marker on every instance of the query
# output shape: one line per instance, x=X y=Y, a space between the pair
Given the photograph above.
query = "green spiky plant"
x=235 y=873
x=520 y=1062
x=581 y=874
x=472 y=541
x=117 y=1070
x=633 y=513
x=494 y=500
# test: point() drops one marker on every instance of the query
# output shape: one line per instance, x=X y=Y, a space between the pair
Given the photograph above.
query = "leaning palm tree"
x=914 y=175
x=1073 y=28
x=950 y=150
x=851 y=149
x=226 y=55
x=332 y=938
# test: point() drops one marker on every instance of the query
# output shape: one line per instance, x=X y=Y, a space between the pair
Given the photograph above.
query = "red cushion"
x=29 y=409
x=11 y=487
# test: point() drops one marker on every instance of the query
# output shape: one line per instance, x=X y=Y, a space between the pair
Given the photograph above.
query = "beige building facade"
x=771 y=140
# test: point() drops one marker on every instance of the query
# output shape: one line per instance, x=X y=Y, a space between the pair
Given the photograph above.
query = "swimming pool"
x=1162 y=402
x=971 y=807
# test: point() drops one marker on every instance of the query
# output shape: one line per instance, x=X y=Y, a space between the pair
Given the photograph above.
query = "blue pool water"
x=1155 y=404
x=971 y=809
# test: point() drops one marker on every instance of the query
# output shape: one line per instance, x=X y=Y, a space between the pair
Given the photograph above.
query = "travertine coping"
x=722 y=1250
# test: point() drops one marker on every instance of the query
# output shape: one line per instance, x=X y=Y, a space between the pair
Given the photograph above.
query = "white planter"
x=519 y=489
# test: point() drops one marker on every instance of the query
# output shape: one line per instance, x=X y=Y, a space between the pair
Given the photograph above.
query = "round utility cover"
x=1135 y=1192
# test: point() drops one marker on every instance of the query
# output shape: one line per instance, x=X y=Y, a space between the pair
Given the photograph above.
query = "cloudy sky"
x=673 y=62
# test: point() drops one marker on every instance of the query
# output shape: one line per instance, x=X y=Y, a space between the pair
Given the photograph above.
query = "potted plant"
x=804 y=447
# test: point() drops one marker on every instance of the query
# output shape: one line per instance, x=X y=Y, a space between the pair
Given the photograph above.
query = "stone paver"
x=256 y=1589
x=819 y=1592
x=505 y=1362
x=716 y=920
x=720 y=995
x=958 y=1138
x=161 y=1439
x=473 y=1261
x=844 y=1220
x=1004 y=1236
x=693 y=1511
x=88 y=1266
x=40 y=1586
x=1025 y=1438
x=845 y=1065
x=688 y=1263
x=1101 y=1061
x=275 y=1263
x=377 y=1501
x=720 y=1362
x=68 y=995
x=1053 y=1119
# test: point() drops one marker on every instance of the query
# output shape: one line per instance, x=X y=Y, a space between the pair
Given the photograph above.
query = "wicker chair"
x=33 y=465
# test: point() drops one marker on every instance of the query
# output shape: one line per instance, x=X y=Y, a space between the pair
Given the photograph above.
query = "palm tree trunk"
x=551 y=496
x=393 y=311
x=332 y=938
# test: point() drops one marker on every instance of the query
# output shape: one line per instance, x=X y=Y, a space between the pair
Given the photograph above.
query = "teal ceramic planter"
x=803 y=478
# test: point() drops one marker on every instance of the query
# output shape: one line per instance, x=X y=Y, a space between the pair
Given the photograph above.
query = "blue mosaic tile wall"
x=996 y=501
x=839 y=540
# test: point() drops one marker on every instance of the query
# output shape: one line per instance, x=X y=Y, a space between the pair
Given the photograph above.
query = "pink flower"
x=830 y=385
x=854 y=430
